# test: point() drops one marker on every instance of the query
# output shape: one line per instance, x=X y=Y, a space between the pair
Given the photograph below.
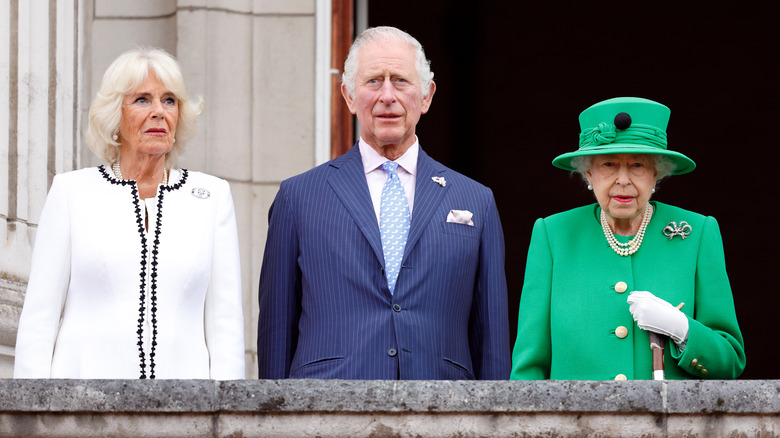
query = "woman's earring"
x=590 y=187
x=653 y=190
x=116 y=135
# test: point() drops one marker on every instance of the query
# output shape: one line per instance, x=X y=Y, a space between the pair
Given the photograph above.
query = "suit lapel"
x=428 y=195
x=349 y=183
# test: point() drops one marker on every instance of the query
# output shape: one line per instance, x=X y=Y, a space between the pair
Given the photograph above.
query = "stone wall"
x=40 y=83
x=336 y=408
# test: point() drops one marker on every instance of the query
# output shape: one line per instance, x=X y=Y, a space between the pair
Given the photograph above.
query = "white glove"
x=656 y=315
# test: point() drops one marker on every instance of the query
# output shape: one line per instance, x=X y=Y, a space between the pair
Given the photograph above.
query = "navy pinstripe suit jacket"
x=326 y=310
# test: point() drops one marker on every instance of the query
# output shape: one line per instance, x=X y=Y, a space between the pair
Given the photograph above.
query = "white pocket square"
x=460 y=217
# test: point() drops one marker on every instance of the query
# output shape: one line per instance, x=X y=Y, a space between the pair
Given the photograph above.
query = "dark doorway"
x=513 y=77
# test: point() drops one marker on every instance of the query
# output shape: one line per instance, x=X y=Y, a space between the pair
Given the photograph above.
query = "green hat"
x=625 y=125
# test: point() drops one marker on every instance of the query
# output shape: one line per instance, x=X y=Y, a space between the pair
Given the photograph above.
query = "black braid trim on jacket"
x=155 y=251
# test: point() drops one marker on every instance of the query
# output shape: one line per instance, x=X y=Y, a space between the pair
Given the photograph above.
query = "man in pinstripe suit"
x=328 y=307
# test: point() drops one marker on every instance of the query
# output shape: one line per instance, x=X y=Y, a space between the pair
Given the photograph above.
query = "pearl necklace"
x=118 y=173
x=626 y=249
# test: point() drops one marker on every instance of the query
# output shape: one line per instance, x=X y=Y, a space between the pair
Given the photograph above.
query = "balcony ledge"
x=340 y=408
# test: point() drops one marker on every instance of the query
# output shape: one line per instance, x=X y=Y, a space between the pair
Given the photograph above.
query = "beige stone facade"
x=261 y=66
x=303 y=408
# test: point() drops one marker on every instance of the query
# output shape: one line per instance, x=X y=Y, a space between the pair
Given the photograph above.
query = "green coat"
x=570 y=308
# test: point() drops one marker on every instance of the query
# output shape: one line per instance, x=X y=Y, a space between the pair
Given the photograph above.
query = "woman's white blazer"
x=108 y=298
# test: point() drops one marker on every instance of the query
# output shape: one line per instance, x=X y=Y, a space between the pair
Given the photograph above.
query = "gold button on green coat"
x=567 y=317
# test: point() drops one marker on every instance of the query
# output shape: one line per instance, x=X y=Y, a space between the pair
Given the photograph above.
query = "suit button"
x=397 y=307
x=694 y=362
x=621 y=377
x=621 y=287
x=392 y=352
x=704 y=371
x=621 y=332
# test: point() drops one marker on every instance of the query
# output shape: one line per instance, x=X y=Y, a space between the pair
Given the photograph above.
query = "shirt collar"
x=372 y=160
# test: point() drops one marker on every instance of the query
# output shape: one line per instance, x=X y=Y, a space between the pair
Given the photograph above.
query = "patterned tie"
x=393 y=223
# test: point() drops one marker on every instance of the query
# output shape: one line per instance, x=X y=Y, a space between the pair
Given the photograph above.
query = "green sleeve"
x=532 y=351
x=715 y=342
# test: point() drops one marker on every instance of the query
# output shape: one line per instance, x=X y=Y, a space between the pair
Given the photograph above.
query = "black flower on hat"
x=622 y=121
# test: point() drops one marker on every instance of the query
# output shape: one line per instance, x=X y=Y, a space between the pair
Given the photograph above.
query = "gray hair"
x=122 y=77
x=664 y=165
x=380 y=35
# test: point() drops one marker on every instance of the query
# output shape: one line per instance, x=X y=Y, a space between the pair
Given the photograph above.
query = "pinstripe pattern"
x=325 y=307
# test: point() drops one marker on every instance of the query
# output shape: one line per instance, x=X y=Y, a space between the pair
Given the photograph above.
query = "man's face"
x=388 y=98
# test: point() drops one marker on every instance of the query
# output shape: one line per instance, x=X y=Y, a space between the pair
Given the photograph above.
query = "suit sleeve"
x=279 y=293
x=489 y=326
x=224 y=317
x=714 y=338
x=47 y=288
x=531 y=357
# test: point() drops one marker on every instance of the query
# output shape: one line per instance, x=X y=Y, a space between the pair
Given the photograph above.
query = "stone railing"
x=337 y=408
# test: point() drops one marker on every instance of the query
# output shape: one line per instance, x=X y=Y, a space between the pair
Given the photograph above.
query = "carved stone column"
x=39 y=125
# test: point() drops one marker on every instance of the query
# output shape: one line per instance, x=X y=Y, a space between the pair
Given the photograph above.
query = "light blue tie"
x=393 y=223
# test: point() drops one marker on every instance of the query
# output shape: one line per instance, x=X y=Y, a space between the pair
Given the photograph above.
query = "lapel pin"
x=682 y=230
x=439 y=180
x=200 y=193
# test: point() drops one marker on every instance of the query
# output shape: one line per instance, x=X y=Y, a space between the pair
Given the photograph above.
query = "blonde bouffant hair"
x=122 y=77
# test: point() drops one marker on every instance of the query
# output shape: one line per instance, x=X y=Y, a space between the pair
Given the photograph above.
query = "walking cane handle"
x=657 y=342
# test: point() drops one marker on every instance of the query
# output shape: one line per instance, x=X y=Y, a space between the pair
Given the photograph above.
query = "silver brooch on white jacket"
x=682 y=230
x=200 y=193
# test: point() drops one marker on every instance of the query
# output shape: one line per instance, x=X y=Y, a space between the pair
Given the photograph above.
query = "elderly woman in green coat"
x=600 y=278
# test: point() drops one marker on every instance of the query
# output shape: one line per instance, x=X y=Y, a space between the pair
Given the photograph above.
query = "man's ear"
x=347 y=98
x=426 y=102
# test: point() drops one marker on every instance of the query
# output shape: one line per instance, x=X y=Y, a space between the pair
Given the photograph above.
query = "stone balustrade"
x=337 y=408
